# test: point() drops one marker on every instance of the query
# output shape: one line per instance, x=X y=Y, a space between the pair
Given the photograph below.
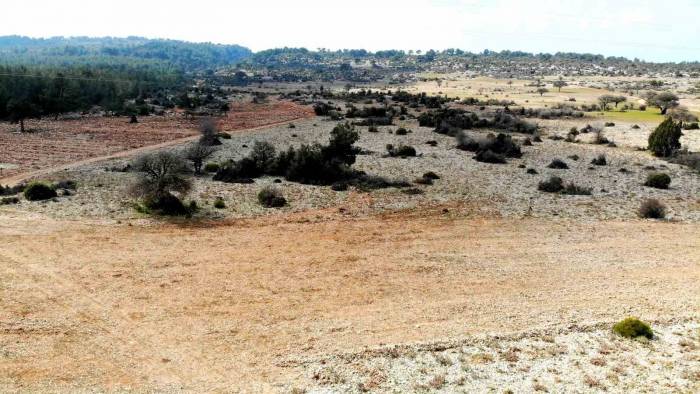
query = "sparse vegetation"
x=271 y=197
x=652 y=209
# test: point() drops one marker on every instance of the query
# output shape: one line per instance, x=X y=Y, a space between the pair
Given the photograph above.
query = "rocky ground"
x=501 y=190
x=578 y=359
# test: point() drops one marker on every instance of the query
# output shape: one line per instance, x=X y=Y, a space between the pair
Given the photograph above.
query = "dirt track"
x=204 y=308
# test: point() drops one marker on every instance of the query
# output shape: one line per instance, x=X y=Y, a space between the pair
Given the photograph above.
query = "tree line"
x=28 y=92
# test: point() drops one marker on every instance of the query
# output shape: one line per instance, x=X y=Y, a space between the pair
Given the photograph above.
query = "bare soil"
x=204 y=307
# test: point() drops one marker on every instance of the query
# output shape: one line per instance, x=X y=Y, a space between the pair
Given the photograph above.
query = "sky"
x=648 y=30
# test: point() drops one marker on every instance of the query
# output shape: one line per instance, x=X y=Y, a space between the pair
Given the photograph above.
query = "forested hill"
x=130 y=51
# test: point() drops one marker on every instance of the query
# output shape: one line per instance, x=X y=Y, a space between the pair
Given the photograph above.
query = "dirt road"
x=222 y=307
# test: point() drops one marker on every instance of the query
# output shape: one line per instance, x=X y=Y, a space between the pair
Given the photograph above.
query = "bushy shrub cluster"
x=501 y=144
x=37 y=191
x=451 y=120
x=11 y=190
x=546 y=113
x=400 y=151
x=271 y=197
x=552 y=185
x=309 y=164
x=658 y=180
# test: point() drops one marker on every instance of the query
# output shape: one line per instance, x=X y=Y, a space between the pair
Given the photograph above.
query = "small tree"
x=618 y=99
x=210 y=133
x=160 y=175
x=604 y=100
x=21 y=109
x=665 y=140
x=560 y=83
x=663 y=101
x=197 y=153
x=542 y=91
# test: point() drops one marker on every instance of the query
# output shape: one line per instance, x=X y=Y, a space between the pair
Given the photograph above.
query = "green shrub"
x=552 y=185
x=37 y=191
x=665 y=140
x=212 y=167
x=271 y=197
x=402 y=131
x=658 y=180
x=168 y=205
x=558 y=164
x=632 y=327
x=219 y=203
x=652 y=209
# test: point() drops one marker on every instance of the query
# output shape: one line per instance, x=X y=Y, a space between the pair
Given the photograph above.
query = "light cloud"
x=631 y=28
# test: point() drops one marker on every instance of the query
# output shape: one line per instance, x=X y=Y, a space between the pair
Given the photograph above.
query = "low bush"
x=9 y=200
x=167 y=205
x=488 y=156
x=552 y=185
x=12 y=190
x=401 y=151
x=575 y=190
x=558 y=164
x=402 y=131
x=652 y=209
x=37 y=191
x=431 y=175
x=219 y=203
x=271 y=197
x=599 y=161
x=658 y=180
x=691 y=160
x=632 y=327
x=212 y=167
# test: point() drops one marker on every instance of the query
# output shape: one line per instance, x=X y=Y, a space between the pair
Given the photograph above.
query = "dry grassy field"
x=474 y=282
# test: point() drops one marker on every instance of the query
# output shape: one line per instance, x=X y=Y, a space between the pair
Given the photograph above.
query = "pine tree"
x=665 y=140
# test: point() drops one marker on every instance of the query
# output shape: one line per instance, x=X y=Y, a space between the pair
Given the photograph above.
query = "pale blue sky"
x=650 y=30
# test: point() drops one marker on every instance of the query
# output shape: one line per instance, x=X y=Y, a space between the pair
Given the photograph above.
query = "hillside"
x=56 y=51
